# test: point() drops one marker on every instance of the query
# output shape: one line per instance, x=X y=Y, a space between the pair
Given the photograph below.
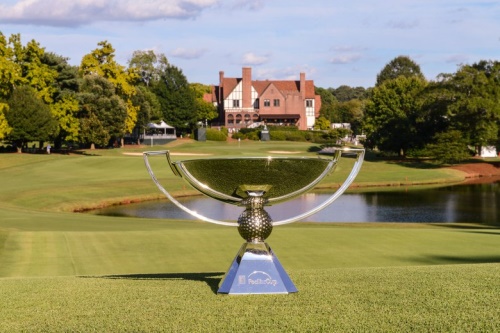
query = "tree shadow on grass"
x=451 y=260
x=471 y=227
x=212 y=279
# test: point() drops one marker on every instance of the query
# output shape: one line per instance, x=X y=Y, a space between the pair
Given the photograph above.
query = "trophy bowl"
x=232 y=179
x=253 y=183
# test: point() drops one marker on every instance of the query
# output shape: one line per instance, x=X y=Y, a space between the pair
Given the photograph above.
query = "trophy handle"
x=360 y=154
x=170 y=197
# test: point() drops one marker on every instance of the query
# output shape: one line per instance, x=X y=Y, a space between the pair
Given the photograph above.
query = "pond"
x=472 y=203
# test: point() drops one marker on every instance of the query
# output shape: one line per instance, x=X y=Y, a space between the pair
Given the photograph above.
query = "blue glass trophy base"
x=256 y=270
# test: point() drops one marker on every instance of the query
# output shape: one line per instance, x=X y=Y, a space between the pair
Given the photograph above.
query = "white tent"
x=162 y=124
x=158 y=133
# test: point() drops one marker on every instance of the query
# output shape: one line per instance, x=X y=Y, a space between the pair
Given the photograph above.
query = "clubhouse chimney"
x=246 y=87
x=220 y=97
x=303 y=85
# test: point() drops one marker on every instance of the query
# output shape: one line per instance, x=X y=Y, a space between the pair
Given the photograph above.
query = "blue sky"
x=334 y=42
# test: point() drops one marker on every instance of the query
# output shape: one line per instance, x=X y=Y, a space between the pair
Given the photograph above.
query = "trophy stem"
x=254 y=224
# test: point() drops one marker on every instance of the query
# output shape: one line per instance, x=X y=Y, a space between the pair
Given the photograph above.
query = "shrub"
x=449 y=147
x=282 y=128
x=225 y=131
x=277 y=135
x=247 y=130
x=215 y=135
x=239 y=135
x=295 y=135
x=254 y=135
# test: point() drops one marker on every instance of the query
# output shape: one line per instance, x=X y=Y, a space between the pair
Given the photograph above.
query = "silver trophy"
x=254 y=183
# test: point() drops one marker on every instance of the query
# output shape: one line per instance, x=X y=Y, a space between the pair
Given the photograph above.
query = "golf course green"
x=66 y=271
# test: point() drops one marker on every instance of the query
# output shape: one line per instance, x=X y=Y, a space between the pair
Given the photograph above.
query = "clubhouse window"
x=276 y=102
x=267 y=102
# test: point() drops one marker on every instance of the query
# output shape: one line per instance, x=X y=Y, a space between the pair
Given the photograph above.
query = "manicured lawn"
x=68 y=182
x=64 y=271
x=450 y=298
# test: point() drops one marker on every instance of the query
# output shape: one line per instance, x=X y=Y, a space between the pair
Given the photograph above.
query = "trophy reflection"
x=254 y=183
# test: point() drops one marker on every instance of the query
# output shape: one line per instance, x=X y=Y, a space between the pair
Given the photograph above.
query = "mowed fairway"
x=64 y=271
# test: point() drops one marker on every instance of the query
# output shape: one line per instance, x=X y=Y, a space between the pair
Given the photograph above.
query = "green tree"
x=67 y=79
x=5 y=129
x=177 y=99
x=65 y=111
x=93 y=131
x=399 y=66
x=10 y=71
x=393 y=115
x=29 y=117
x=322 y=124
x=33 y=71
x=471 y=102
x=351 y=112
x=449 y=147
x=101 y=62
x=101 y=109
x=149 y=107
x=345 y=93
x=328 y=102
x=147 y=65
x=205 y=111
x=65 y=104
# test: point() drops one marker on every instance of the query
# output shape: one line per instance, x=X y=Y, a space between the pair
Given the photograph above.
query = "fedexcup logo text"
x=261 y=278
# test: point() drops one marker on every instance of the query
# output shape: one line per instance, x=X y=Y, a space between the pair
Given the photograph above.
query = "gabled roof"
x=229 y=84
x=270 y=85
x=284 y=86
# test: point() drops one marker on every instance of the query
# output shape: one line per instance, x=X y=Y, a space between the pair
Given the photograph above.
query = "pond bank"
x=479 y=170
x=473 y=173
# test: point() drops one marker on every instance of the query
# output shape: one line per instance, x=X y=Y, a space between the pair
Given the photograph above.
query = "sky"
x=333 y=42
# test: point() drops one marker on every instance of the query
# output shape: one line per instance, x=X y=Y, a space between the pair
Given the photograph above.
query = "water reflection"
x=478 y=203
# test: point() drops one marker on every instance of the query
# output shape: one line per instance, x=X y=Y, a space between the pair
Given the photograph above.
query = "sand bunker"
x=283 y=152
x=171 y=154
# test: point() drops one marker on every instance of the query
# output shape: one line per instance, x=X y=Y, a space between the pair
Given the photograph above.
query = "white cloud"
x=249 y=4
x=287 y=73
x=404 y=24
x=253 y=59
x=457 y=59
x=184 y=53
x=346 y=54
x=81 y=12
x=345 y=59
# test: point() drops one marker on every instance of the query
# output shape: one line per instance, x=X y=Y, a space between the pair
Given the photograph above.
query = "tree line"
x=44 y=98
x=404 y=114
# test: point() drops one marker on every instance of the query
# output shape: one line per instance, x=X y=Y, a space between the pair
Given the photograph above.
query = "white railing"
x=157 y=136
